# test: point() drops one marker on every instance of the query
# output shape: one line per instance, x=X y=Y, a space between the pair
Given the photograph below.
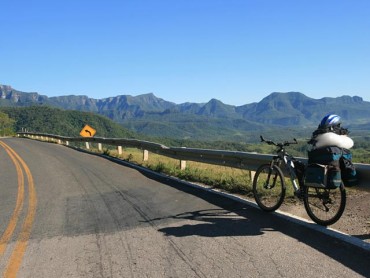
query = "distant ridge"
x=154 y=116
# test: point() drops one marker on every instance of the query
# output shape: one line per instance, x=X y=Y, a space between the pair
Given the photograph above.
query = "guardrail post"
x=67 y=143
x=251 y=175
x=87 y=146
x=145 y=155
x=100 y=147
x=119 y=150
x=182 y=165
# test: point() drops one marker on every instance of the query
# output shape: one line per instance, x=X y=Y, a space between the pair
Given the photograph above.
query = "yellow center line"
x=18 y=207
x=21 y=244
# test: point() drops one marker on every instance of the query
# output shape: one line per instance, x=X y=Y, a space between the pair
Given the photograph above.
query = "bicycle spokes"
x=325 y=206
x=269 y=187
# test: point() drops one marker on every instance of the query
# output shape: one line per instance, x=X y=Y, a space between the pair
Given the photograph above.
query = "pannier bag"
x=324 y=176
x=349 y=174
x=323 y=168
x=340 y=167
x=325 y=155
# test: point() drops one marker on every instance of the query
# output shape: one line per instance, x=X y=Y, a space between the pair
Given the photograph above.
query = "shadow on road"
x=238 y=219
x=218 y=223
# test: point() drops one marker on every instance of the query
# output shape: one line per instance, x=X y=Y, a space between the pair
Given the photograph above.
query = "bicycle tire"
x=324 y=206
x=269 y=196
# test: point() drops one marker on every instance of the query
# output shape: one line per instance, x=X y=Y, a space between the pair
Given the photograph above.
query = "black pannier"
x=325 y=155
x=349 y=174
x=323 y=168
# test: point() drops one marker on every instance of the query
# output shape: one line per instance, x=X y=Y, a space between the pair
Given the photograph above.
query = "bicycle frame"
x=283 y=157
x=288 y=161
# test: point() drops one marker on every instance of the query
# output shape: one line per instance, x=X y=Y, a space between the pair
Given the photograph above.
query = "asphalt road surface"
x=66 y=213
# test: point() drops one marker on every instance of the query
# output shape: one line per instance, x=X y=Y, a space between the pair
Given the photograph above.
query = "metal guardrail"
x=242 y=160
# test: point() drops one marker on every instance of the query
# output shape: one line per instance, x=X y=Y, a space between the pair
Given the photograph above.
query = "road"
x=66 y=213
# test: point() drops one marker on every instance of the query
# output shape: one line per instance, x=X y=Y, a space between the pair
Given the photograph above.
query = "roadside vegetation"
x=6 y=125
x=225 y=178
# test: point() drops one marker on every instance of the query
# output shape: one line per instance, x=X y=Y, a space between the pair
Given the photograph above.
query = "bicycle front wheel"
x=269 y=187
x=325 y=206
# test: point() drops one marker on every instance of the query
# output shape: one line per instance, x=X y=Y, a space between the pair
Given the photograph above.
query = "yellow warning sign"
x=87 y=131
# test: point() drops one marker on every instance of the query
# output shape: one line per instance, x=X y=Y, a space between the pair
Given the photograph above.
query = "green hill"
x=50 y=120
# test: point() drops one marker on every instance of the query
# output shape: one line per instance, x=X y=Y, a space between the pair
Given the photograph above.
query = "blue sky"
x=237 y=51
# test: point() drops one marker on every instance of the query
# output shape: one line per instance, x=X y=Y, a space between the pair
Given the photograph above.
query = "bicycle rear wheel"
x=325 y=206
x=269 y=187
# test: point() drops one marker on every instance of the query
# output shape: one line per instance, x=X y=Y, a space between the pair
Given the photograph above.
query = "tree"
x=6 y=125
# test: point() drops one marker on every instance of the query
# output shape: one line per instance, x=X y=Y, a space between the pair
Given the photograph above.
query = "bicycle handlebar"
x=286 y=143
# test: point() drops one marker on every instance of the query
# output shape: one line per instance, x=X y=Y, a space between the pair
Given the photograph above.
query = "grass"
x=226 y=178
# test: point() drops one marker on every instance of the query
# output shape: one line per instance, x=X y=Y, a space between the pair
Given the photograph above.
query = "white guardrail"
x=241 y=160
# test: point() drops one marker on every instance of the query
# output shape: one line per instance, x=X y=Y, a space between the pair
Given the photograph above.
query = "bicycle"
x=323 y=205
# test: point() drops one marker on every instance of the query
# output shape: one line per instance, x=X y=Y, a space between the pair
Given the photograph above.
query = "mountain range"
x=214 y=120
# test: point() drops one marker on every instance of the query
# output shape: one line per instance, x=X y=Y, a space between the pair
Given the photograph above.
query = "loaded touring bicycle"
x=319 y=183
